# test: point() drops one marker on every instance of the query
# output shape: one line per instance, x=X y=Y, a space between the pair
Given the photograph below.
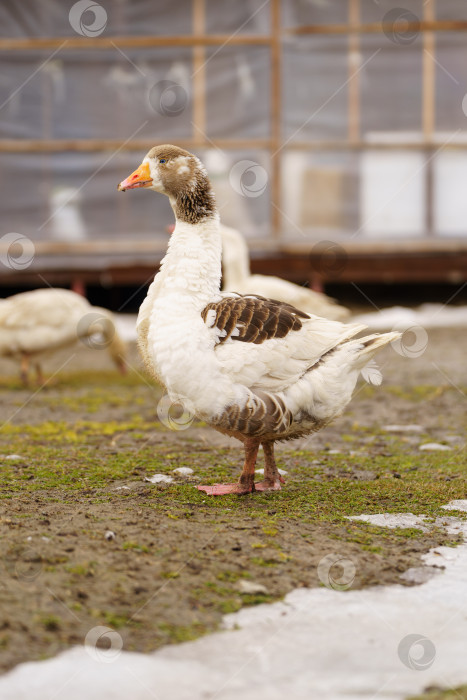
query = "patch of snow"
x=159 y=479
x=393 y=520
x=122 y=488
x=426 y=316
x=434 y=446
x=410 y=428
x=183 y=471
x=13 y=457
x=316 y=643
x=420 y=574
x=126 y=326
x=282 y=472
x=252 y=587
x=456 y=505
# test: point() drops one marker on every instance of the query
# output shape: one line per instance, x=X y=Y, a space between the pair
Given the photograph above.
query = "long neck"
x=235 y=258
x=191 y=267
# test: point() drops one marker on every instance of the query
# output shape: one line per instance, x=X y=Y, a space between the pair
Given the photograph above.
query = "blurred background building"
x=334 y=132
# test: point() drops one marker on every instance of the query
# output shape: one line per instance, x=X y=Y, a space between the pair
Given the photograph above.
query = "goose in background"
x=35 y=324
x=252 y=368
x=237 y=277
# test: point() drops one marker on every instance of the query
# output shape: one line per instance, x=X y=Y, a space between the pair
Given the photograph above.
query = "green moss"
x=135 y=547
x=80 y=460
x=114 y=620
x=175 y=634
x=50 y=622
x=459 y=693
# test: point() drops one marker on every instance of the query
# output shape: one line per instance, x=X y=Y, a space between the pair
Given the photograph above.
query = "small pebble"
x=251 y=587
x=122 y=488
x=334 y=452
x=183 y=471
x=13 y=457
x=432 y=446
x=109 y=535
x=159 y=479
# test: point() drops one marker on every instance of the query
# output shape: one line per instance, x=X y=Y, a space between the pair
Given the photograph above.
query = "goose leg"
x=272 y=478
x=24 y=372
x=39 y=375
x=246 y=483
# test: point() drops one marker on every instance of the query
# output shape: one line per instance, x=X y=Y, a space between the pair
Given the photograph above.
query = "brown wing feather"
x=254 y=319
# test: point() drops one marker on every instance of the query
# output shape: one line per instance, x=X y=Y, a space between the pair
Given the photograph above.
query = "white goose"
x=252 y=368
x=237 y=277
x=35 y=324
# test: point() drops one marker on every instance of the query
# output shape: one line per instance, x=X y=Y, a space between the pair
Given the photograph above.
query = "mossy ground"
x=178 y=556
x=459 y=693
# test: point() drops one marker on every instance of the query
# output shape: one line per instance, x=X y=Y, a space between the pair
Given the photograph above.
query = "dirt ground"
x=74 y=456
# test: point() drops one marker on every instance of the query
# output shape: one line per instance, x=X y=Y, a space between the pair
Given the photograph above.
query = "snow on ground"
x=126 y=326
x=386 y=642
x=426 y=316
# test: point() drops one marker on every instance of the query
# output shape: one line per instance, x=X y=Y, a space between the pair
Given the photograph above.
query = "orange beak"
x=140 y=178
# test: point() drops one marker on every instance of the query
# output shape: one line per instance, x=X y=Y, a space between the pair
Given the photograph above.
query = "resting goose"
x=238 y=278
x=35 y=324
x=253 y=368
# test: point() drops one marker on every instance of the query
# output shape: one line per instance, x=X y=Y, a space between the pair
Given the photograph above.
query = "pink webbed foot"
x=269 y=485
x=223 y=489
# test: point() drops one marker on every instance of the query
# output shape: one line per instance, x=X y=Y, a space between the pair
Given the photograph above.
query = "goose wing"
x=267 y=344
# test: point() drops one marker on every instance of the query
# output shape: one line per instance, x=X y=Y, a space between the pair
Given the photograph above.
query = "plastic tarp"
x=127 y=94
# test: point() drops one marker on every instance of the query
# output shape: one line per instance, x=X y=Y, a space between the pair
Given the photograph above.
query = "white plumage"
x=35 y=324
x=252 y=368
x=237 y=277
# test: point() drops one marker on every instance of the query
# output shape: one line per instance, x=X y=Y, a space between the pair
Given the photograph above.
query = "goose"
x=238 y=278
x=35 y=324
x=253 y=368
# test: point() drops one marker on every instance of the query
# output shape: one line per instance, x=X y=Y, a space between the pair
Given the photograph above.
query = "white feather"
x=371 y=373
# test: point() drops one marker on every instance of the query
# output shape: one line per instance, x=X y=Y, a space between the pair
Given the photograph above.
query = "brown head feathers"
x=185 y=181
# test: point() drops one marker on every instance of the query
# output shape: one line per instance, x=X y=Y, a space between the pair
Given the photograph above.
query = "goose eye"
x=162 y=160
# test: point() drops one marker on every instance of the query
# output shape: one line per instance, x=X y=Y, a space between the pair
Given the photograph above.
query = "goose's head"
x=178 y=174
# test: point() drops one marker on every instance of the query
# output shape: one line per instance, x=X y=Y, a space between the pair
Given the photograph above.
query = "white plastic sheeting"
x=126 y=94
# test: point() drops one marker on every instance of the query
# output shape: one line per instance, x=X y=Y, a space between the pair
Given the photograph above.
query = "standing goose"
x=35 y=324
x=253 y=368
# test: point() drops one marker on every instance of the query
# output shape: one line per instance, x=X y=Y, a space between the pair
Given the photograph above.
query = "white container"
x=450 y=198
x=392 y=193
